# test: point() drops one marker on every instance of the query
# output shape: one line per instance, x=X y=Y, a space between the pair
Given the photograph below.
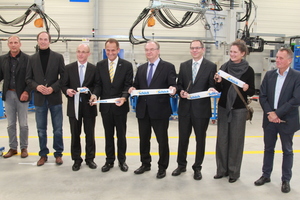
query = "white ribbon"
x=200 y=95
x=113 y=100
x=151 y=92
x=231 y=79
x=76 y=104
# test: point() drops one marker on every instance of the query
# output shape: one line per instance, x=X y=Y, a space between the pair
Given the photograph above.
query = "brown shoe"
x=58 y=160
x=24 y=153
x=42 y=161
x=10 y=153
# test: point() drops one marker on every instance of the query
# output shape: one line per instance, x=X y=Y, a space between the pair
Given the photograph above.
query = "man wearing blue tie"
x=81 y=74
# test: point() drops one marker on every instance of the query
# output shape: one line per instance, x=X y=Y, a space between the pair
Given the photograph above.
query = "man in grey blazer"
x=44 y=73
x=16 y=94
x=81 y=74
x=195 y=75
x=280 y=98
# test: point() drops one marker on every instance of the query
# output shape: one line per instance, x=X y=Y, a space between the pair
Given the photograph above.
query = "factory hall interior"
x=149 y=99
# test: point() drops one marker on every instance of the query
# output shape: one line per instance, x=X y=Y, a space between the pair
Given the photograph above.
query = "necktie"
x=149 y=78
x=111 y=71
x=194 y=71
x=81 y=77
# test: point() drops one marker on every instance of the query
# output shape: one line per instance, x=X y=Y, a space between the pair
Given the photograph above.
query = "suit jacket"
x=21 y=85
x=200 y=108
x=118 y=88
x=158 y=106
x=52 y=78
x=71 y=81
x=288 y=102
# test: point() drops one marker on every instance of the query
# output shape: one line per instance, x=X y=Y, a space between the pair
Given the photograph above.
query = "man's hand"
x=71 y=92
x=93 y=98
x=173 y=89
x=120 y=101
x=130 y=89
x=24 y=96
x=272 y=116
x=183 y=94
x=217 y=78
x=44 y=90
x=245 y=87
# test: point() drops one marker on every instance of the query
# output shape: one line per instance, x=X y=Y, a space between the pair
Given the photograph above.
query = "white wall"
x=76 y=21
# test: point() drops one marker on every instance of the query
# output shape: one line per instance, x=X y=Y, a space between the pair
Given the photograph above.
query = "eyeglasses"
x=196 y=48
x=146 y=50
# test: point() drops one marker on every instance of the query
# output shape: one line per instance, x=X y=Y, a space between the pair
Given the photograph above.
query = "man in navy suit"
x=280 y=98
x=44 y=73
x=81 y=74
x=195 y=75
x=115 y=78
x=153 y=111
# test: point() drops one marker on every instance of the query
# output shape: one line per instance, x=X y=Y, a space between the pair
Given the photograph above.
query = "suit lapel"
x=118 y=70
x=201 y=70
x=285 y=84
x=158 y=69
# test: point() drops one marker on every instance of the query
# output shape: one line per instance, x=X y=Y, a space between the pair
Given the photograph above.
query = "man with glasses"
x=81 y=74
x=153 y=111
x=195 y=75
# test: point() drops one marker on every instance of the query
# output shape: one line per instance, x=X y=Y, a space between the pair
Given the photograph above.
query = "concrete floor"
x=22 y=179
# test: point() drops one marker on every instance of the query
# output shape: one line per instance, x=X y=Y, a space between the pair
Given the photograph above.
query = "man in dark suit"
x=153 y=111
x=44 y=73
x=115 y=78
x=16 y=95
x=195 y=75
x=81 y=74
x=280 y=98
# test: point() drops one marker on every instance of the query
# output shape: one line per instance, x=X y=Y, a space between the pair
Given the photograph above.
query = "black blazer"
x=71 y=81
x=54 y=73
x=201 y=108
x=118 y=88
x=288 y=102
x=21 y=85
x=158 y=105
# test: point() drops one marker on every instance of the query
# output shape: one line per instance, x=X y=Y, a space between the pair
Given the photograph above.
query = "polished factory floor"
x=22 y=179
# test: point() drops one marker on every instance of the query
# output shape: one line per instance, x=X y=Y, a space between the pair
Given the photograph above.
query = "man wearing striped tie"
x=115 y=78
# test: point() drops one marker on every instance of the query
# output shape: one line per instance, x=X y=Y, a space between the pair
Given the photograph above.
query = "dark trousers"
x=89 y=130
x=185 y=124
x=270 y=138
x=160 y=127
x=110 y=122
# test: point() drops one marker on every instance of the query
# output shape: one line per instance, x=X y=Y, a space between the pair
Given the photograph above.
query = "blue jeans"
x=41 y=123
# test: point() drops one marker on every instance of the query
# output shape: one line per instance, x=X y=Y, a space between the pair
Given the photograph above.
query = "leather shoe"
x=285 y=188
x=10 y=153
x=262 y=180
x=76 y=166
x=123 y=167
x=91 y=164
x=197 y=174
x=178 y=171
x=42 y=161
x=24 y=153
x=218 y=176
x=142 y=169
x=107 y=167
x=161 y=173
x=58 y=160
x=232 y=180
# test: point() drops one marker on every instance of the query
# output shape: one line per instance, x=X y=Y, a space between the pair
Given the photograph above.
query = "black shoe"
x=123 y=167
x=91 y=164
x=285 y=188
x=218 y=176
x=76 y=166
x=161 y=173
x=142 y=169
x=197 y=174
x=262 y=180
x=232 y=180
x=178 y=171
x=107 y=167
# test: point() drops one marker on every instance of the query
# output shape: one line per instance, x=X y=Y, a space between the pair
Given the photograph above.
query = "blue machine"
x=297 y=57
